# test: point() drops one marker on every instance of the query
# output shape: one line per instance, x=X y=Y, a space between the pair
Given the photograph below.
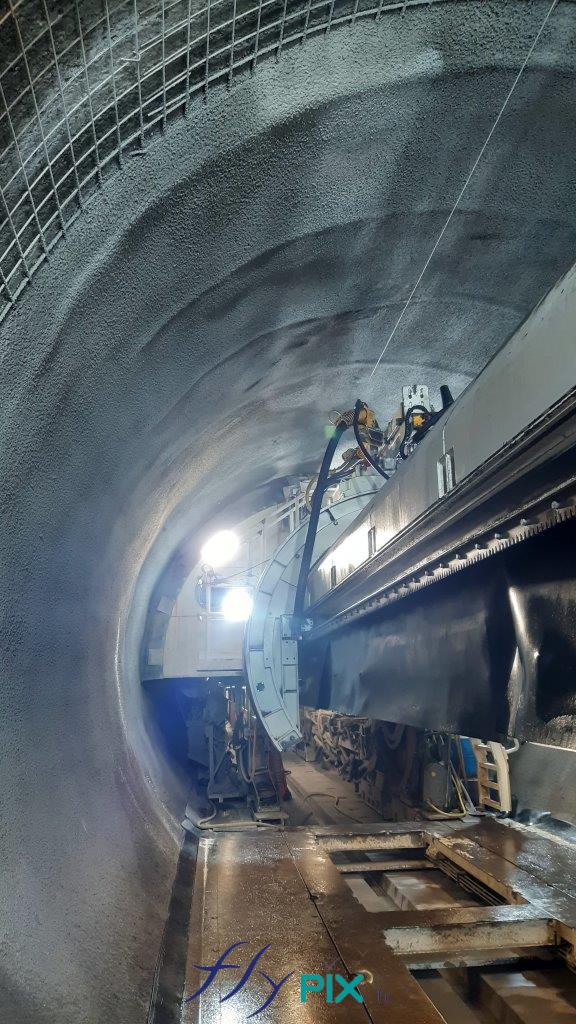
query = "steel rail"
x=526 y=488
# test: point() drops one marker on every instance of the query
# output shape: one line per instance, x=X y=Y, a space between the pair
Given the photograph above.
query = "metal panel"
x=527 y=378
x=463 y=619
x=270 y=651
x=249 y=890
x=489 y=651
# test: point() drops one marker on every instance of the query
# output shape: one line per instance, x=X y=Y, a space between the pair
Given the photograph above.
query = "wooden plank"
x=495 y=957
x=385 y=828
x=455 y=938
x=445 y=931
x=365 y=867
x=381 y=841
x=459 y=916
x=359 y=940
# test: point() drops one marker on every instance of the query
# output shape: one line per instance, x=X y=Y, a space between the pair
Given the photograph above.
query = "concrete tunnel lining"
x=184 y=344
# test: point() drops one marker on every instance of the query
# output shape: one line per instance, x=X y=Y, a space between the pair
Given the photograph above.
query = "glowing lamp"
x=237 y=605
x=220 y=548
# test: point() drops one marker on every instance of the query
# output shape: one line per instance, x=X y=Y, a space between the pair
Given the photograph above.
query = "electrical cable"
x=445 y=814
x=463 y=778
x=241 y=828
x=464 y=792
x=312 y=796
x=330 y=796
x=456 y=781
x=248 y=778
x=242 y=572
x=272 y=780
x=451 y=814
x=460 y=781
x=465 y=185
x=315 y=510
x=392 y=739
x=201 y=822
x=367 y=455
x=417 y=433
x=253 y=736
x=308 y=491
x=336 y=476
x=253 y=825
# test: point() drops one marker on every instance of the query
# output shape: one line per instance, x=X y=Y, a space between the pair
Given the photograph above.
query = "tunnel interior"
x=192 y=281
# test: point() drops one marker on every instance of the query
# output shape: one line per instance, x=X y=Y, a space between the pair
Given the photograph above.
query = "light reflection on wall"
x=352 y=551
x=349 y=554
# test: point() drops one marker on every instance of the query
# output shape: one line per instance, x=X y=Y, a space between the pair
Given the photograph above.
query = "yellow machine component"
x=351 y=454
x=350 y=458
x=367 y=417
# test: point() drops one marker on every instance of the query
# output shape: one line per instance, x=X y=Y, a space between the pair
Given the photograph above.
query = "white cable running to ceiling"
x=465 y=186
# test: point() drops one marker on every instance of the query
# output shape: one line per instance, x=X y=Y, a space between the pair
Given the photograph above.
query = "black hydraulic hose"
x=417 y=433
x=431 y=418
x=446 y=396
x=369 y=458
x=417 y=408
x=315 y=509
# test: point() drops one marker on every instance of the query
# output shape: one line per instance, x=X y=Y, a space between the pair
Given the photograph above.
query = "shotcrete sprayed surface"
x=184 y=344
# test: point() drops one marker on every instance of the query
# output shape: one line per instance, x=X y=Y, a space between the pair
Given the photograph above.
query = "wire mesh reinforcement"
x=85 y=85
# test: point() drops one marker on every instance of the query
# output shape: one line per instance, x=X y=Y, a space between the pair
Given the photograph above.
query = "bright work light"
x=237 y=605
x=220 y=548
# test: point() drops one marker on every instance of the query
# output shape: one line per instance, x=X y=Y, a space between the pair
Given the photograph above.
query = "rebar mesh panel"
x=85 y=84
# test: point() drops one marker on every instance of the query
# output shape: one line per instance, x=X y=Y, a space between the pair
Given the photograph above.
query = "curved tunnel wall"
x=184 y=343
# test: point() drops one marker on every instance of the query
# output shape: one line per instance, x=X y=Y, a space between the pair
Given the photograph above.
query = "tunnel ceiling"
x=184 y=303
x=204 y=282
